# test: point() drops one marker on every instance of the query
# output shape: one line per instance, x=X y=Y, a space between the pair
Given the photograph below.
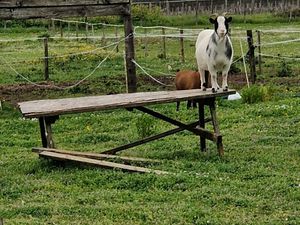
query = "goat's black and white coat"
x=214 y=52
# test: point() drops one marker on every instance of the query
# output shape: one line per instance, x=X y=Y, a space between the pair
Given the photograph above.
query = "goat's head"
x=221 y=25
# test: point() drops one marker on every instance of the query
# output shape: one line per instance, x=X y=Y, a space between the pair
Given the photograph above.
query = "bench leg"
x=46 y=131
x=202 y=124
x=212 y=107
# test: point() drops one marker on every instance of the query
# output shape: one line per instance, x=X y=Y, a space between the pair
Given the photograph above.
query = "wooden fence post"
x=196 y=14
x=103 y=36
x=251 y=56
x=61 y=29
x=146 y=42
x=69 y=28
x=46 y=59
x=117 y=38
x=259 y=51
x=164 y=54
x=86 y=29
x=93 y=30
x=53 y=25
x=181 y=45
x=77 y=31
x=129 y=53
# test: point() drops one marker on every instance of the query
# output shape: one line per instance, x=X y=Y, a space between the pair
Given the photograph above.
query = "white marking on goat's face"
x=221 y=31
x=221 y=25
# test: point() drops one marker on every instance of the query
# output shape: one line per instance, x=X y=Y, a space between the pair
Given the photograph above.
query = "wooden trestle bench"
x=48 y=111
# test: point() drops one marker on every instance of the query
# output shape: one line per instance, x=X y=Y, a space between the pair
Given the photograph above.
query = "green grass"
x=257 y=182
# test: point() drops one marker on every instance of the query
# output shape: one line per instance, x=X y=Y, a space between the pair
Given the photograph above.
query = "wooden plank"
x=94 y=155
x=41 y=108
x=98 y=163
x=62 y=12
x=42 y=3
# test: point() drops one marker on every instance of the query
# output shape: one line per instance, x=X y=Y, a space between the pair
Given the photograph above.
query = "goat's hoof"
x=213 y=90
x=225 y=89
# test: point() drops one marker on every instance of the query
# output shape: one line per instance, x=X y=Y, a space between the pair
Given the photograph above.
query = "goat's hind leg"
x=202 y=79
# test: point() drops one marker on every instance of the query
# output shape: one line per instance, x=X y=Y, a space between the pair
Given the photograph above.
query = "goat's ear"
x=211 y=20
x=229 y=19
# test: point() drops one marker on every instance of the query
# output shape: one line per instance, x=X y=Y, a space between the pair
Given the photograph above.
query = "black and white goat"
x=214 y=52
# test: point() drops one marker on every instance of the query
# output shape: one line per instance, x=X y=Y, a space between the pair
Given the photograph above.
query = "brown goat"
x=186 y=80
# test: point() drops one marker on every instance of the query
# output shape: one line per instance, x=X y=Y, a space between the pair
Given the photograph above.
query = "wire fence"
x=144 y=34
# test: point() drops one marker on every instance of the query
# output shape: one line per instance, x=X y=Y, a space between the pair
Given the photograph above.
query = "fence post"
x=146 y=43
x=69 y=28
x=61 y=29
x=196 y=14
x=129 y=55
x=46 y=59
x=259 y=51
x=93 y=31
x=53 y=25
x=77 y=31
x=251 y=55
x=117 y=38
x=164 y=56
x=181 y=45
x=86 y=29
x=103 y=36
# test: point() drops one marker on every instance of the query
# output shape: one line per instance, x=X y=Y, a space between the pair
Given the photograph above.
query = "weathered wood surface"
x=47 y=3
x=62 y=11
x=40 y=108
x=94 y=155
x=98 y=163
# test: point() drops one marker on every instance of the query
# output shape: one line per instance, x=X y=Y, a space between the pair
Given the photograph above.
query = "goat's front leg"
x=213 y=77
x=214 y=83
x=224 y=83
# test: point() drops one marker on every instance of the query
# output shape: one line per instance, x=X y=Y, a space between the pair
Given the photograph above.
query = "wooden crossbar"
x=148 y=139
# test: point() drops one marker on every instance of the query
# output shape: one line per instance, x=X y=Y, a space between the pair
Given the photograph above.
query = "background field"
x=257 y=181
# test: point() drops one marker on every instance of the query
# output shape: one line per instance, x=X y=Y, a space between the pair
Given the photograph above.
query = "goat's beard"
x=222 y=35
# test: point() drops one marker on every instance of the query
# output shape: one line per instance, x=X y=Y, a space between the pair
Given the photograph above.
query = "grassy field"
x=256 y=182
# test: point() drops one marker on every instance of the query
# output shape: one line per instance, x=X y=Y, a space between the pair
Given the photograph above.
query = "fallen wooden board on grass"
x=95 y=155
x=97 y=163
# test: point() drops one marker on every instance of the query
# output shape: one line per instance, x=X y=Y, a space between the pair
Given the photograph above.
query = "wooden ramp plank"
x=94 y=155
x=98 y=163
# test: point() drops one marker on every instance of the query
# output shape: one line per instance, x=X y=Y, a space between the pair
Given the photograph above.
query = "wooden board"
x=98 y=163
x=43 y=3
x=93 y=155
x=63 y=12
x=40 y=108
